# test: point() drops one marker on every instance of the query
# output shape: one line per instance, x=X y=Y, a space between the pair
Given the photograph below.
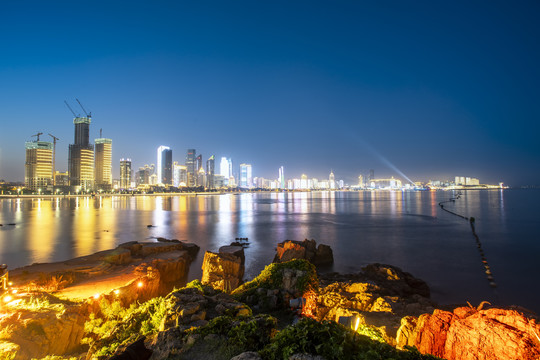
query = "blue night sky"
x=437 y=88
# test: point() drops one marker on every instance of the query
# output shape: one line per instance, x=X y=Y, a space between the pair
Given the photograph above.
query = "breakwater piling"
x=487 y=269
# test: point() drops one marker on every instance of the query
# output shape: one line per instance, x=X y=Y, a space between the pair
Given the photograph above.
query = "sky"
x=431 y=89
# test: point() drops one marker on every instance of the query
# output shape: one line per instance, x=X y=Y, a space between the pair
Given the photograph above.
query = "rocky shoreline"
x=122 y=303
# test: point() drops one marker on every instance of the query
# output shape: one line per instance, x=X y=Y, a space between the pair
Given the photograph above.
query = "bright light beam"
x=380 y=157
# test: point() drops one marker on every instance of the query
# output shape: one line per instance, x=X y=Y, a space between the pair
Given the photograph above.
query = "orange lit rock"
x=290 y=249
x=468 y=334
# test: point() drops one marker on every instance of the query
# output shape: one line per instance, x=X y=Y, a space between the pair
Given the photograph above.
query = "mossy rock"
x=273 y=275
x=332 y=341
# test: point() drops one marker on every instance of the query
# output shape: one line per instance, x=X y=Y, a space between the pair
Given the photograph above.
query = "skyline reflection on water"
x=405 y=229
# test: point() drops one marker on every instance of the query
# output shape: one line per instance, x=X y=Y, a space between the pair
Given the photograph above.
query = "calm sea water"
x=406 y=229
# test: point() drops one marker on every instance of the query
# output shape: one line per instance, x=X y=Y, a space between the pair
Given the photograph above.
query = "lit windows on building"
x=125 y=173
x=103 y=164
x=38 y=165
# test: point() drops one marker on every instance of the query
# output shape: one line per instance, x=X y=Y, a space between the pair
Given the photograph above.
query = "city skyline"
x=400 y=88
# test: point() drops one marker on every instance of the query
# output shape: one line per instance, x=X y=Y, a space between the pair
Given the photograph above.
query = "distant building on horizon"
x=103 y=164
x=38 y=168
x=142 y=176
x=191 y=170
x=462 y=180
x=125 y=173
x=81 y=157
x=164 y=165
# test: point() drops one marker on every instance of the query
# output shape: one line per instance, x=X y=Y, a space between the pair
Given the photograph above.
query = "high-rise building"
x=191 y=170
x=38 y=169
x=281 y=178
x=210 y=163
x=224 y=168
x=246 y=180
x=125 y=173
x=103 y=164
x=331 y=180
x=179 y=175
x=198 y=166
x=201 y=177
x=371 y=174
x=81 y=157
x=164 y=165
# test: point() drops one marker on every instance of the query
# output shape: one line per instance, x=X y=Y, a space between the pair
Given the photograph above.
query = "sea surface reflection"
x=406 y=229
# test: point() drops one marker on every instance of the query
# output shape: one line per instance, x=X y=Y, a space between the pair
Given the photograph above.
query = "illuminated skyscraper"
x=179 y=175
x=164 y=165
x=38 y=169
x=224 y=168
x=210 y=163
x=246 y=180
x=281 y=178
x=81 y=157
x=198 y=167
x=125 y=173
x=201 y=177
x=103 y=164
x=190 y=165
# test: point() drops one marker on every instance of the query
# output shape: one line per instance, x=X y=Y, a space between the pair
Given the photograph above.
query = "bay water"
x=407 y=229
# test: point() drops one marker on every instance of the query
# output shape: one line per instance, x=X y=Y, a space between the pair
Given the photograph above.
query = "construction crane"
x=37 y=135
x=70 y=109
x=54 y=158
x=88 y=114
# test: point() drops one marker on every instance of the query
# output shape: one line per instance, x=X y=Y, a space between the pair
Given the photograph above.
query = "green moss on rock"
x=272 y=277
x=332 y=341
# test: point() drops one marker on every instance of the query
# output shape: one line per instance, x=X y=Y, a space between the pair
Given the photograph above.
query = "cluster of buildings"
x=89 y=165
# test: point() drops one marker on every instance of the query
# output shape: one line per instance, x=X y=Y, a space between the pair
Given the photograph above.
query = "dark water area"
x=405 y=229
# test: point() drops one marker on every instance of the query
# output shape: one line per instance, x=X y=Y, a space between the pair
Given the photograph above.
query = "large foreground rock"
x=55 y=299
x=307 y=250
x=224 y=270
x=470 y=334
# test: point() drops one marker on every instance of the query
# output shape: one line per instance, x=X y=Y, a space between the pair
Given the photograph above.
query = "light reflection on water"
x=406 y=229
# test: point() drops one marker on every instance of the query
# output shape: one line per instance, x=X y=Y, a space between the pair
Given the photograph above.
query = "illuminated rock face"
x=36 y=334
x=380 y=295
x=306 y=250
x=224 y=270
x=467 y=334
